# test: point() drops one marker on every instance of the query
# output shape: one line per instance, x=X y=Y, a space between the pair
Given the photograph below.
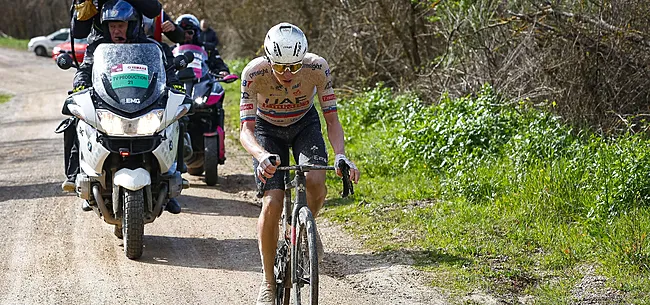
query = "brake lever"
x=348 y=188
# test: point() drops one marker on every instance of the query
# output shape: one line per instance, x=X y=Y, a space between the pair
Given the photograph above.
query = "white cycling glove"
x=342 y=157
x=263 y=169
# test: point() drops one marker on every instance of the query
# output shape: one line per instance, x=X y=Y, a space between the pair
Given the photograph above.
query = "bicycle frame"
x=288 y=247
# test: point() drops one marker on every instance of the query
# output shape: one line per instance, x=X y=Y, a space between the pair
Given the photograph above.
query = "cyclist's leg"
x=267 y=230
x=272 y=201
x=309 y=147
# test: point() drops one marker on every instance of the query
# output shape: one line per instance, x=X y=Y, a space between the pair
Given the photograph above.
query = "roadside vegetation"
x=494 y=195
x=498 y=196
x=18 y=44
x=5 y=97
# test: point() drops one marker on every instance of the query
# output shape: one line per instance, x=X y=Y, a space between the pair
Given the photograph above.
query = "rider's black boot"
x=85 y=206
x=173 y=206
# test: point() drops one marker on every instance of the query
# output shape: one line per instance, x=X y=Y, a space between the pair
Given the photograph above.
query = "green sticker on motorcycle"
x=131 y=76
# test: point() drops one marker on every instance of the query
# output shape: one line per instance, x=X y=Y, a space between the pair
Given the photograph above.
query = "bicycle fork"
x=300 y=202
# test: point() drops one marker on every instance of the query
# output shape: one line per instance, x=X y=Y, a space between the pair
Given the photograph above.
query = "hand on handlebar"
x=220 y=74
x=354 y=172
x=266 y=169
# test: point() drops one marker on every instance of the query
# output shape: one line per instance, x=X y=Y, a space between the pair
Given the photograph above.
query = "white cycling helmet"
x=188 y=20
x=285 y=43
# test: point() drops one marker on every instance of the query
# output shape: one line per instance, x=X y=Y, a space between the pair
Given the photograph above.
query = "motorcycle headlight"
x=119 y=126
x=200 y=100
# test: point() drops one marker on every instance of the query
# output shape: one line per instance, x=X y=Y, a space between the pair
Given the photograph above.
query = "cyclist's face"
x=285 y=77
x=118 y=31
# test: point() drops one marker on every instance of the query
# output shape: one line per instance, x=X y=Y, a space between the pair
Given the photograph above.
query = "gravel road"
x=51 y=252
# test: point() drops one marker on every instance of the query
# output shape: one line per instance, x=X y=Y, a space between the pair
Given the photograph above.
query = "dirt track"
x=51 y=252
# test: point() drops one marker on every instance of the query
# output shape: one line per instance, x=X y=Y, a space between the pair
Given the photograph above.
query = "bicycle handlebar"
x=348 y=188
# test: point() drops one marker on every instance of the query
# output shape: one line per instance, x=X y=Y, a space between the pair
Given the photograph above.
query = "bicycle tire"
x=282 y=277
x=304 y=259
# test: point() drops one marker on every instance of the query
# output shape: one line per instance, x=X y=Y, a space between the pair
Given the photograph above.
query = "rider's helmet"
x=120 y=10
x=285 y=43
x=188 y=22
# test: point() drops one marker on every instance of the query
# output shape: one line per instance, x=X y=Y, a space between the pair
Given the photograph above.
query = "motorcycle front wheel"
x=211 y=160
x=133 y=223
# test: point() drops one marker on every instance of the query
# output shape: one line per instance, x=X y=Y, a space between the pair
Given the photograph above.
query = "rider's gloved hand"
x=78 y=88
x=179 y=88
x=85 y=9
x=219 y=74
x=266 y=169
x=354 y=172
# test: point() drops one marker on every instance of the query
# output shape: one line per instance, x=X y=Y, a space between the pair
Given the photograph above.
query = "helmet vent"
x=296 y=49
x=276 y=49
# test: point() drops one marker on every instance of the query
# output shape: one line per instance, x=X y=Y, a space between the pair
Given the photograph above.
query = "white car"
x=43 y=45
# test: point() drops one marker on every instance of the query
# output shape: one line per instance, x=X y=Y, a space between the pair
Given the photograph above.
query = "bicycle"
x=297 y=244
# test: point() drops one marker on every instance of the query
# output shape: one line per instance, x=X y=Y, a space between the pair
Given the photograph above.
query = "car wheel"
x=40 y=51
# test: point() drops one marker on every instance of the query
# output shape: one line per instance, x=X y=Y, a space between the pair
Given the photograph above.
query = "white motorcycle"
x=128 y=134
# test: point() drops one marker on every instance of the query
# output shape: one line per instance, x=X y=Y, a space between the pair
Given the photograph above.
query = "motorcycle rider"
x=87 y=23
x=277 y=112
x=124 y=25
x=190 y=24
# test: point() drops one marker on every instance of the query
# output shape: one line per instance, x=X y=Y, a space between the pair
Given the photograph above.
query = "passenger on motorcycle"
x=86 y=21
x=277 y=113
x=124 y=25
x=154 y=28
x=190 y=24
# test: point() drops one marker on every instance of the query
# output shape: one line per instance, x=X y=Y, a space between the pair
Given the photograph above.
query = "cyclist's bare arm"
x=335 y=132
x=327 y=100
x=247 y=139
x=248 y=114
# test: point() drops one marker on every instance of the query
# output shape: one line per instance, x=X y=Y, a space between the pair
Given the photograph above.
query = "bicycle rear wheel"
x=304 y=259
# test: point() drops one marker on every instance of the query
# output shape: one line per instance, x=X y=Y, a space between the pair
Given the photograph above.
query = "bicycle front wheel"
x=304 y=260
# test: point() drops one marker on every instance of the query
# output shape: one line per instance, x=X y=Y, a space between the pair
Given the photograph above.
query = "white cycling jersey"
x=284 y=104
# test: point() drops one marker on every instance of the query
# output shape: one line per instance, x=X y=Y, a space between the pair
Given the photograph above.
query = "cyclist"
x=277 y=112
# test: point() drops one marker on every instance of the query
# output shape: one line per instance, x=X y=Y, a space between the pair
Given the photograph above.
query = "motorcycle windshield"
x=198 y=65
x=129 y=77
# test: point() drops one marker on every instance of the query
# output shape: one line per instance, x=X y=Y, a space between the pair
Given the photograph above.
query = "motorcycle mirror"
x=64 y=61
x=189 y=56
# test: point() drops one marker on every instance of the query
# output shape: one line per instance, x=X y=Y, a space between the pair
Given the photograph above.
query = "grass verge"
x=495 y=197
x=18 y=44
x=498 y=197
x=5 y=97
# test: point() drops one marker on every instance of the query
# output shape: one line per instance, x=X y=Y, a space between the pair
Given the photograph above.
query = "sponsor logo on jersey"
x=313 y=66
x=286 y=103
x=245 y=95
x=296 y=86
x=297 y=92
x=246 y=107
x=329 y=97
x=329 y=85
x=258 y=73
x=327 y=72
